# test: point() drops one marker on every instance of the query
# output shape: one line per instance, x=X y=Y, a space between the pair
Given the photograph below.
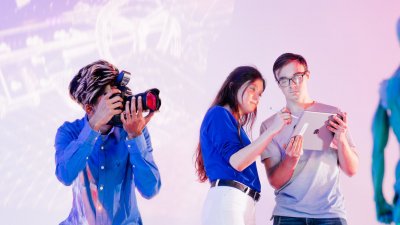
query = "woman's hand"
x=281 y=118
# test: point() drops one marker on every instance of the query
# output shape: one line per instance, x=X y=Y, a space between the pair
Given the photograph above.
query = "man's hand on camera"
x=132 y=120
x=106 y=109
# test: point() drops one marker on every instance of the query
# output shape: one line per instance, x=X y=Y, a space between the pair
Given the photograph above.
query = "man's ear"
x=89 y=109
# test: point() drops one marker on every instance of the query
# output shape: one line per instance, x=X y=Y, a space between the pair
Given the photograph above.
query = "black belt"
x=231 y=183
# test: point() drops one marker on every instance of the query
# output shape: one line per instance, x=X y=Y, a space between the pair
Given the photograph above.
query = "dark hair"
x=89 y=83
x=227 y=95
x=286 y=58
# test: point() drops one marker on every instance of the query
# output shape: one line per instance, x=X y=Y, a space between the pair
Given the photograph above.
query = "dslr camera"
x=150 y=98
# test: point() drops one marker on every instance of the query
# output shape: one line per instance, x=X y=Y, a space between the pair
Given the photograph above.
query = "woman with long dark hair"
x=226 y=157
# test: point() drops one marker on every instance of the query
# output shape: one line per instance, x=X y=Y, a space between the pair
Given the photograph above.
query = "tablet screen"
x=312 y=126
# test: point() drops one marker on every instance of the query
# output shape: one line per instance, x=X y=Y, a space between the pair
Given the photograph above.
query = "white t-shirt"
x=313 y=191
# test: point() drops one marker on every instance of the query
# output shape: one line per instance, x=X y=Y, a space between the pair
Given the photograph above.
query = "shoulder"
x=218 y=116
x=393 y=85
x=266 y=123
x=218 y=112
x=321 y=107
x=72 y=127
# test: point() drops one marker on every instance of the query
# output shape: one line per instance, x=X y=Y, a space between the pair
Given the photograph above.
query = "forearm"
x=68 y=168
x=247 y=155
x=72 y=154
x=348 y=158
x=146 y=173
x=282 y=172
x=378 y=171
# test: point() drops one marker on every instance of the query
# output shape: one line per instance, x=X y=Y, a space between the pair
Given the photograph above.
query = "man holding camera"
x=105 y=161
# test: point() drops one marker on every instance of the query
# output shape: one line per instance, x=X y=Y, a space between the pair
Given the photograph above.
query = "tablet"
x=312 y=126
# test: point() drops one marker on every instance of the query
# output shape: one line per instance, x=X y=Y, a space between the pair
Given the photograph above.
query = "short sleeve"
x=272 y=149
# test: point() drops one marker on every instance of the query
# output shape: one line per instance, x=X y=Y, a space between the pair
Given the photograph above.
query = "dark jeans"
x=284 y=220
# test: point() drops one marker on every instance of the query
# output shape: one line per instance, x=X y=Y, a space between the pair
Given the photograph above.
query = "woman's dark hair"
x=227 y=95
x=286 y=58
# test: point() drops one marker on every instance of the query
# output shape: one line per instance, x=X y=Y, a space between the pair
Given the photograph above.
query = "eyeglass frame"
x=298 y=74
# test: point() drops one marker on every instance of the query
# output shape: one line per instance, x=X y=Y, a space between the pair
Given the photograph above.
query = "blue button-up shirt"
x=104 y=171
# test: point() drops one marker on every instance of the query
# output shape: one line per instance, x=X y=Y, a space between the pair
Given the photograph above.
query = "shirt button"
x=102 y=167
x=129 y=146
x=102 y=147
x=87 y=158
x=101 y=187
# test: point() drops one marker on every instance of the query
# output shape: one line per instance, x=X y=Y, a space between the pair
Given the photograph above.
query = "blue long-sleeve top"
x=219 y=140
x=104 y=171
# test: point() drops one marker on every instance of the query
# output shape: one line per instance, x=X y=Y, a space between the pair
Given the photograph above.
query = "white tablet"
x=312 y=126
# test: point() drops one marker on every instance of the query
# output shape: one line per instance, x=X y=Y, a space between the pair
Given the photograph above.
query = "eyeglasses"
x=297 y=79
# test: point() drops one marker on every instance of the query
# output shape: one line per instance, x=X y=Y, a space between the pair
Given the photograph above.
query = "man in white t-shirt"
x=306 y=182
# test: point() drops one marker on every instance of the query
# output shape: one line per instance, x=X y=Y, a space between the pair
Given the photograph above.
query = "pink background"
x=186 y=49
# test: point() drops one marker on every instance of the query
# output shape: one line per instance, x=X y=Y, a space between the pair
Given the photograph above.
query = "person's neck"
x=105 y=129
x=299 y=105
x=237 y=115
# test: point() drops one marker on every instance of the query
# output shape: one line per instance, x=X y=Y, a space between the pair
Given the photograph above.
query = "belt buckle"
x=256 y=196
x=247 y=190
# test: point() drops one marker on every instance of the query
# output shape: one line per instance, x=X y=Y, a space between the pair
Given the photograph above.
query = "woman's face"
x=249 y=95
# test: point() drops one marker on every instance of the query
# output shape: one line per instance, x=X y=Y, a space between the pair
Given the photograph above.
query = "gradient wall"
x=186 y=49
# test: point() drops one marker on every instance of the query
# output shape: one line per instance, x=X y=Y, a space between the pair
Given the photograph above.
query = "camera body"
x=150 y=98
